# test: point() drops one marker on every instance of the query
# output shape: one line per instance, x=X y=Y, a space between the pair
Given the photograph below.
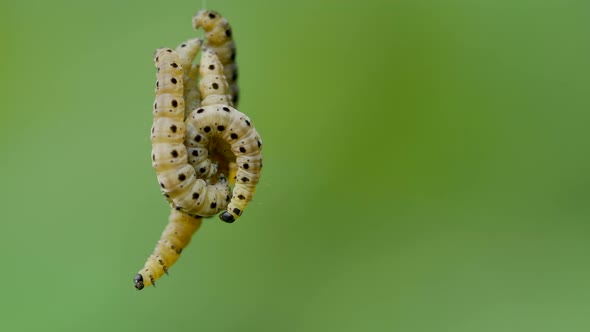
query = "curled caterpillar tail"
x=236 y=139
x=220 y=40
x=178 y=179
x=174 y=239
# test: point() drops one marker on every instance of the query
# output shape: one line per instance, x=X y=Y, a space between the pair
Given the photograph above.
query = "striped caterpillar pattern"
x=198 y=139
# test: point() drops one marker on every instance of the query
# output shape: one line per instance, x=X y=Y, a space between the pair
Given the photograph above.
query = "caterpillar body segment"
x=213 y=84
x=243 y=144
x=198 y=147
x=226 y=54
x=220 y=40
x=187 y=52
x=174 y=239
x=178 y=179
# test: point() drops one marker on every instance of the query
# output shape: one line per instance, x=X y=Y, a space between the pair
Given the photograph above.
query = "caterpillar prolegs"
x=174 y=239
x=192 y=157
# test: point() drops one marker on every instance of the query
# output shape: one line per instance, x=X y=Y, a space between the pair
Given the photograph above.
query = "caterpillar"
x=234 y=127
x=177 y=178
x=174 y=239
x=220 y=40
x=167 y=136
x=228 y=132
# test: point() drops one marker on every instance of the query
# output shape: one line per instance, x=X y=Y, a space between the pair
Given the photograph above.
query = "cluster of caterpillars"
x=201 y=144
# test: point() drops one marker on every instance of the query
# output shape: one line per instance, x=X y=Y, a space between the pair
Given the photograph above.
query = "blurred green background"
x=426 y=168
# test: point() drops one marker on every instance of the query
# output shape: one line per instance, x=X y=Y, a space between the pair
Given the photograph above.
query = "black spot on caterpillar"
x=219 y=39
x=174 y=239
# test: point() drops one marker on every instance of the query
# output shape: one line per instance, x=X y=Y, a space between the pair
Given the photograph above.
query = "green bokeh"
x=426 y=168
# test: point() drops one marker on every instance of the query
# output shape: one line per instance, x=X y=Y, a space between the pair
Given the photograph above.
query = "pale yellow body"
x=220 y=40
x=174 y=239
x=216 y=123
x=229 y=125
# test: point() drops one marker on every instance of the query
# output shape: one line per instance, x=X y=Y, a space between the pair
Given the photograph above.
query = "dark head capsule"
x=138 y=281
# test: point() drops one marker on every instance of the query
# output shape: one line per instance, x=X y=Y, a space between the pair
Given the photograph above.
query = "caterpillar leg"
x=174 y=239
x=220 y=40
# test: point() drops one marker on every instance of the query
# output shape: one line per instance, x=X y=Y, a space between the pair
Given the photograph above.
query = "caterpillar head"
x=225 y=216
x=159 y=52
x=206 y=19
x=138 y=281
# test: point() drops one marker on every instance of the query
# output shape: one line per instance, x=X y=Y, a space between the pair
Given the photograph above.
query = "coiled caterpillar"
x=178 y=179
x=230 y=127
x=220 y=40
x=234 y=127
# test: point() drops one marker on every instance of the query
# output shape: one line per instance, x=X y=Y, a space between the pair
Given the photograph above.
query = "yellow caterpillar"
x=220 y=40
x=174 y=239
x=232 y=126
x=167 y=154
x=177 y=178
x=229 y=133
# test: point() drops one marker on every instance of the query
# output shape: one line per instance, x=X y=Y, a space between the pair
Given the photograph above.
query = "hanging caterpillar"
x=220 y=40
x=174 y=239
x=232 y=126
x=167 y=136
